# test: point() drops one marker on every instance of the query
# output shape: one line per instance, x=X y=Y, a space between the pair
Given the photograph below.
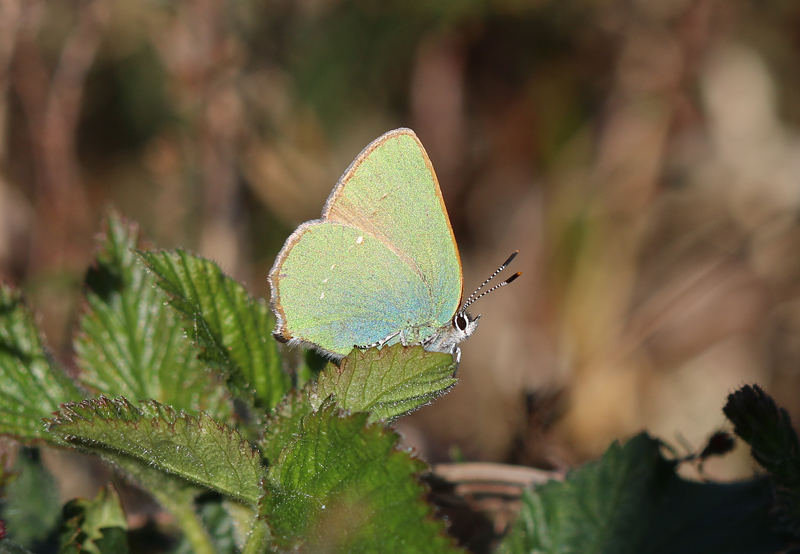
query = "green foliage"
x=284 y=423
x=196 y=448
x=10 y=547
x=31 y=505
x=326 y=473
x=232 y=328
x=130 y=343
x=342 y=485
x=31 y=384
x=94 y=526
x=632 y=501
x=387 y=382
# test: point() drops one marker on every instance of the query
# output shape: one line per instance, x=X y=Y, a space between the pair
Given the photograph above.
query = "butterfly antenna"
x=472 y=297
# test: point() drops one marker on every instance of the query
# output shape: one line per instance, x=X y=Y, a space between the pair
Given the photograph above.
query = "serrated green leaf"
x=387 y=382
x=130 y=344
x=768 y=429
x=178 y=497
x=233 y=329
x=94 y=526
x=32 y=505
x=342 y=486
x=174 y=493
x=632 y=501
x=284 y=424
x=196 y=448
x=31 y=384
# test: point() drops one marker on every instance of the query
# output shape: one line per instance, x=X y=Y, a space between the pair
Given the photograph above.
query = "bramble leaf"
x=631 y=501
x=233 y=329
x=196 y=448
x=131 y=344
x=388 y=382
x=774 y=444
x=31 y=384
x=95 y=526
x=31 y=507
x=342 y=486
x=284 y=424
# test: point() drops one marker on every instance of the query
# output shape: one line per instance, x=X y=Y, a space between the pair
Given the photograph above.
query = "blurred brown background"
x=643 y=156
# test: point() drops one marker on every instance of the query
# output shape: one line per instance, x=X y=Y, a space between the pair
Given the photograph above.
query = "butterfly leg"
x=431 y=345
x=380 y=343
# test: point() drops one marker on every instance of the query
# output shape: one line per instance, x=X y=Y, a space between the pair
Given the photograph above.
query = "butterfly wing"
x=381 y=259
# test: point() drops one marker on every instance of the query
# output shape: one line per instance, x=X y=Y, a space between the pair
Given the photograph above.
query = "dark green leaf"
x=10 y=547
x=31 y=385
x=387 y=382
x=233 y=329
x=774 y=444
x=632 y=501
x=174 y=493
x=342 y=486
x=198 y=449
x=130 y=343
x=94 y=526
x=32 y=506
x=768 y=430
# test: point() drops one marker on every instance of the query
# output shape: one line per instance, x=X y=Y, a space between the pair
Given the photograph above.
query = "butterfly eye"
x=460 y=321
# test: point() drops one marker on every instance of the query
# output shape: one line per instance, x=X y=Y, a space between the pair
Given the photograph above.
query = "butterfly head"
x=463 y=324
x=447 y=338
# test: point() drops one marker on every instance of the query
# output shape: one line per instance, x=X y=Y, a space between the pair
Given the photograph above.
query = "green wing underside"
x=321 y=281
x=382 y=259
x=390 y=191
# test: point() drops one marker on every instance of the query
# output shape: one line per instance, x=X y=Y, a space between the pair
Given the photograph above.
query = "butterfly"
x=381 y=265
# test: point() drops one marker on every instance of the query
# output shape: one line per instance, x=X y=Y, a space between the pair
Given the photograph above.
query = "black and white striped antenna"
x=472 y=297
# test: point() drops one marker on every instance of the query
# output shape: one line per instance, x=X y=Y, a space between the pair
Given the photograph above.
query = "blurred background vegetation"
x=643 y=156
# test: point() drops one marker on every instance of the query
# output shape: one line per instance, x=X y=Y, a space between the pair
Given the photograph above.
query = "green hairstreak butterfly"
x=381 y=265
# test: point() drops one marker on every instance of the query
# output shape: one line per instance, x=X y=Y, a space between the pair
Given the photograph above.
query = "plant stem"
x=258 y=539
x=187 y=519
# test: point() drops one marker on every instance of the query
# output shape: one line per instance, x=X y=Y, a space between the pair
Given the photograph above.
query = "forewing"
x=391 y=193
